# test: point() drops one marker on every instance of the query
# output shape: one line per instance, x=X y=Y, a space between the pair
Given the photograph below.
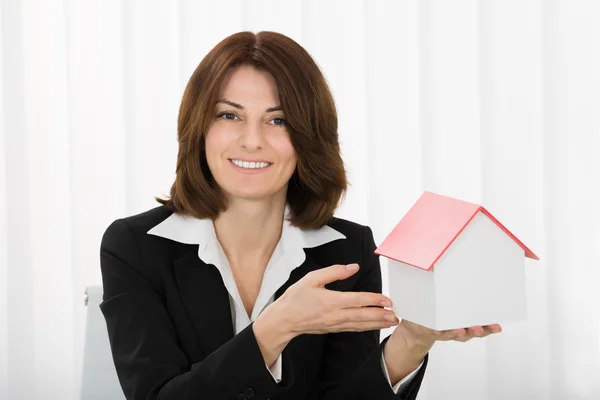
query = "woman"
x=243 y=285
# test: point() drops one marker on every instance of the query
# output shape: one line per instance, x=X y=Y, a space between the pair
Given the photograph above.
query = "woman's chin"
x=253 y=194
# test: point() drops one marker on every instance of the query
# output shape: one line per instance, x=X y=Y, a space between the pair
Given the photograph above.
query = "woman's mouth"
x=250 y=165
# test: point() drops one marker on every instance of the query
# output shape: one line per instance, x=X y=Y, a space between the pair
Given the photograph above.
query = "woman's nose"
x=252 y=136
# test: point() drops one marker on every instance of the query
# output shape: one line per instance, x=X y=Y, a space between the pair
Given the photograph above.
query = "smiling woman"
x=243 y=284
x=250 y=153
x=258 y=98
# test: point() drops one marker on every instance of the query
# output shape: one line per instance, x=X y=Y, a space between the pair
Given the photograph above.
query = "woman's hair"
x=319 y=181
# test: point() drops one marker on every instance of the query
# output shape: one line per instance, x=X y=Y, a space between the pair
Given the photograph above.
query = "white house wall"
x=412 y=292
x=480 y=279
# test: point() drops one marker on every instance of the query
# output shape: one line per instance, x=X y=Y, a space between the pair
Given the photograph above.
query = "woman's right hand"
x=308 y=307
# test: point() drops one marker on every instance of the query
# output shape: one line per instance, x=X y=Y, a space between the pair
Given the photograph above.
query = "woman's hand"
x=410 y=342
x=414 y=335
x=308 y=307
x=311 y=308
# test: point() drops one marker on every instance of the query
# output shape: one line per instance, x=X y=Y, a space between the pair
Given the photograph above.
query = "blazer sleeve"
x=351 y=367
x=149 y=363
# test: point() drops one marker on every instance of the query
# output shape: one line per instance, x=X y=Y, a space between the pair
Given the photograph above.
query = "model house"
x=451 y=265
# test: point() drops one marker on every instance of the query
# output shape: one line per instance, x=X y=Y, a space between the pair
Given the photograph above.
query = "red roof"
x=430 y=227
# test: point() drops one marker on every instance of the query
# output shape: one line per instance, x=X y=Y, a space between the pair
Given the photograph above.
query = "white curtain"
x=492 y=101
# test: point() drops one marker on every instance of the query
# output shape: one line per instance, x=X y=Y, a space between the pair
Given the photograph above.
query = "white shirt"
x=288 y=255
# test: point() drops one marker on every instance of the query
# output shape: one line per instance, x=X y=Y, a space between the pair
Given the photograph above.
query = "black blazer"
x=171 y=333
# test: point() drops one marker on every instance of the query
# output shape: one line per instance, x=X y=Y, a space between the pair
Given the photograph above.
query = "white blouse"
x=288 y=255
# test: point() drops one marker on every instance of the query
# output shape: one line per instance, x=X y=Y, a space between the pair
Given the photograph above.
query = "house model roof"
x=430 y=227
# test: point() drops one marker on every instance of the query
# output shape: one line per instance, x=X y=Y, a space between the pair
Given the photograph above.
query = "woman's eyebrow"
x=240 y=107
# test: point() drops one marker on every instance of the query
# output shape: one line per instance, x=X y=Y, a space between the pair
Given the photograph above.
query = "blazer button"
x=249 y=393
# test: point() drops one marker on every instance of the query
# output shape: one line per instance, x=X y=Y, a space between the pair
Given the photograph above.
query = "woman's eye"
x=228 y=116
x=278 y=121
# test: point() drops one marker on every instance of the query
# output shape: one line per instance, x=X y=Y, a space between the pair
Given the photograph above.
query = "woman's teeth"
x=250 y=164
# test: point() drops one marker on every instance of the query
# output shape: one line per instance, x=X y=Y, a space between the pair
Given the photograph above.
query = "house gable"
x=480 y=279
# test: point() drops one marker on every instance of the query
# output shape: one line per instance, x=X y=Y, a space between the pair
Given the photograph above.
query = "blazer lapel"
x=296 y=274
x=206 y=299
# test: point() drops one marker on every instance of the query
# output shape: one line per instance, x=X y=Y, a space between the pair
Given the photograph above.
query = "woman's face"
x=248 y=146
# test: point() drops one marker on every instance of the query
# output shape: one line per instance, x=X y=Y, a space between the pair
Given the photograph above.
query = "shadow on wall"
x=99 y=377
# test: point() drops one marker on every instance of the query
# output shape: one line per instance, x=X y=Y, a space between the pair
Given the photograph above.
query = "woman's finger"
x=360 y=299
x=460 y=335
x=490 y=330
x=363 y=326
x=493 y=328
x=476 y=331
x=466 y=334
x=323 y=276
x=451 y=334
x=365 y=315
x=483 y=331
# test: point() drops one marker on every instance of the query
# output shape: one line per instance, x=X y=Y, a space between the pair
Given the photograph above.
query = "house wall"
x=480 y=279
x=412 y=293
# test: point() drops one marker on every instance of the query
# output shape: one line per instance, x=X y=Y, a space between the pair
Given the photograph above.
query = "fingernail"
x=385 y=303
x=390 y=317
x=352 y=267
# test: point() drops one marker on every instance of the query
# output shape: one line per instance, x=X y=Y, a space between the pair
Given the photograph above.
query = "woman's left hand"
x=412 y=334
x=410 y=342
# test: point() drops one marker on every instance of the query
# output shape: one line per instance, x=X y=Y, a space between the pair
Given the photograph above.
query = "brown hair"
x=319 y=181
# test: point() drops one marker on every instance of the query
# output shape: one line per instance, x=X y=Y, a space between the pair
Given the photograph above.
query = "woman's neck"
x=249 y=231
